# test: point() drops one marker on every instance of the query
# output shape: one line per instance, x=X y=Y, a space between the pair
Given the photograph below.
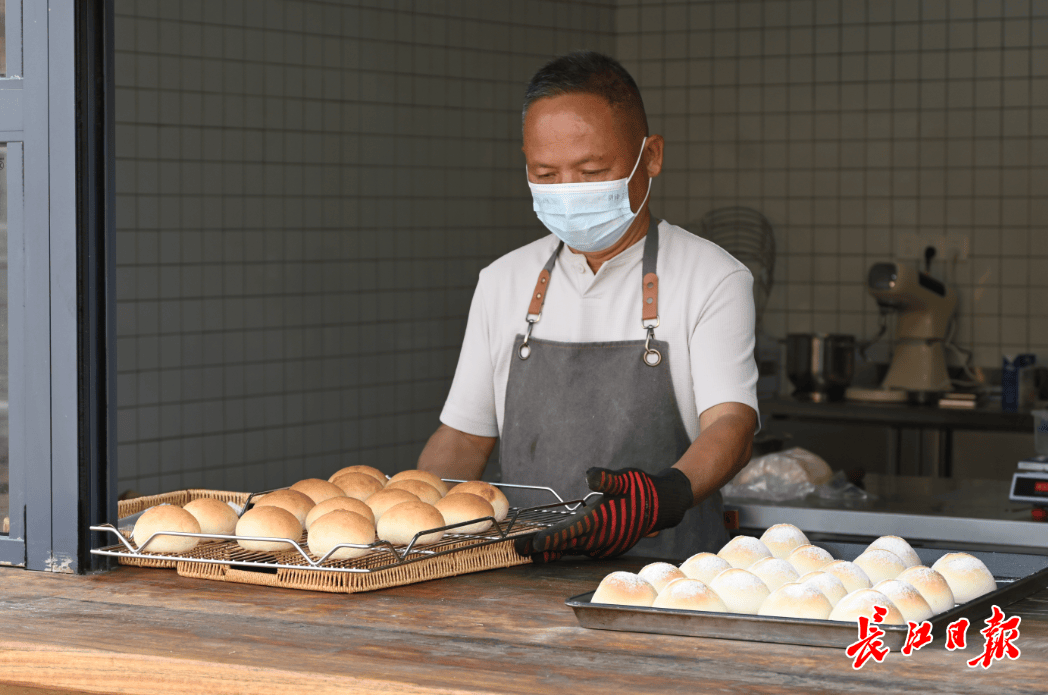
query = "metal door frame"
x=55 y=113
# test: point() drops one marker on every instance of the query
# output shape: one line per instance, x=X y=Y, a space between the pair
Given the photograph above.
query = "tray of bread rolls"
x=781 y=588
x=356 y=531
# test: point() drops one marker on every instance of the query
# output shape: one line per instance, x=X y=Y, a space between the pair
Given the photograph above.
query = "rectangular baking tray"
x=1018 y=576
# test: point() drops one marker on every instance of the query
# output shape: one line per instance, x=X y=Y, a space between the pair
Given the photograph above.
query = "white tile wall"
x=849 y=121
x=306 y=192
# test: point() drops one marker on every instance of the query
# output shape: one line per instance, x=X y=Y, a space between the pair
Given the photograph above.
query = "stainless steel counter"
x=924 y=510
x=916 y=440
x=985 y=417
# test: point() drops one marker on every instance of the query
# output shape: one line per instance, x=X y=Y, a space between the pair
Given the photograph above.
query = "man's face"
x=576 y=138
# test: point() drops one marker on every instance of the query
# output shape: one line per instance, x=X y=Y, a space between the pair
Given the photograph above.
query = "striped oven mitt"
x=632 y=505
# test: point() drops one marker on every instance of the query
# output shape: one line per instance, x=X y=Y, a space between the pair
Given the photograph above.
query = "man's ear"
x=654 y=147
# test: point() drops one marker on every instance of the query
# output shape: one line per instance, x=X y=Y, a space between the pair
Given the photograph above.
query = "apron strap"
x=538 y=297
x=649 y=313
x=650 y=289
x=650 y=309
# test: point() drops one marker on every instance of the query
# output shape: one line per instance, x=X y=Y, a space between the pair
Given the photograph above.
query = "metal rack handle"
x=540 y=488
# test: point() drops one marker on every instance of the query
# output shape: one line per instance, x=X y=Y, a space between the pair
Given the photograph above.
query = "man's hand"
x=633 y=504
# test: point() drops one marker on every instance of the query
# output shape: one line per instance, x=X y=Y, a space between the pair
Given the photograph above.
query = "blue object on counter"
x=1011 y=378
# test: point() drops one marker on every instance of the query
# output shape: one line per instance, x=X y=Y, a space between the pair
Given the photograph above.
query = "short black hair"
x=588 y=72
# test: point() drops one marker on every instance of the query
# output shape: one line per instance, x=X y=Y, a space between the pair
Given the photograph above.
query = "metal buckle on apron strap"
x=538 y=298
x=649 y=315
x=651 y=356
x=649 y=297
x=524 y=351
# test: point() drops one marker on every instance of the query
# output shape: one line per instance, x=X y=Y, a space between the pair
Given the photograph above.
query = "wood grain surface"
x=503 y=631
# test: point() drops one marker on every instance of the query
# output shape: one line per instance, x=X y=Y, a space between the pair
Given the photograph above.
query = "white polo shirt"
x=705 y=310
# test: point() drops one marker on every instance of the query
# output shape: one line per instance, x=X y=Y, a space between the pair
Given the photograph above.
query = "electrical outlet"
x=958 y=244
x=930 y=239
x=911 y=245
x=937 y=241
x=908 y=246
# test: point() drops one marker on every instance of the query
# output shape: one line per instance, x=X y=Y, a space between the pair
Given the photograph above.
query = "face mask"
x=587 y=216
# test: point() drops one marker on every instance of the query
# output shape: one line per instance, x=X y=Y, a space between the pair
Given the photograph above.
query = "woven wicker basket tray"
x=468 y=557
x=126 y=508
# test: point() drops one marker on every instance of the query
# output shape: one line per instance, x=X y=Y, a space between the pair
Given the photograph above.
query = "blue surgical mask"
x=587 y=216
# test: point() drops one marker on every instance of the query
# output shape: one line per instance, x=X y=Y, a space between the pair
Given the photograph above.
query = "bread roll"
x=424 y=491
x=861 y=602
x=214 y=516
x=966 y=574
x=659 y=574
x=166 y=517
x=774 y=572
x=318 y=490
x=464 y=507
x=781 y=539
x=366 y=470
x=689 y=595
x=900 y=547
x=880 y=564
x=359 y=486
x=341 y=526
x=809 y=558
x=384 y=499
x=424 y=476
x=795 y=600
x=401 y=522
x=349 y=504
x=741 y=591
x=932 y=585
x=293 y=501
x=850 y=574
x=743 y=551
x=704 y=567
x=906 y=598
x=831 y=587
x=624 y=589
x=492 y=494
x=268 y=522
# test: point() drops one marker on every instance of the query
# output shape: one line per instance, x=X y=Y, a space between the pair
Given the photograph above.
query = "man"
x=615 y=355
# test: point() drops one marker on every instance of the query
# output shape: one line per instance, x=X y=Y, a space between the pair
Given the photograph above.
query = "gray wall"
x=307 y=191
x=850 y=122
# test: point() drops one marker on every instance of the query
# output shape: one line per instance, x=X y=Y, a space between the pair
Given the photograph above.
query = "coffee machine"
x=924 y=306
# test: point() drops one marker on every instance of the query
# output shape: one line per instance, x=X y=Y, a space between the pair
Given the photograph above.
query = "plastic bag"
x=789 y=475
x=839 y=488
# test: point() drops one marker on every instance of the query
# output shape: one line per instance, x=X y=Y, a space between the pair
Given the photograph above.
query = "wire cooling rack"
x=218 y=549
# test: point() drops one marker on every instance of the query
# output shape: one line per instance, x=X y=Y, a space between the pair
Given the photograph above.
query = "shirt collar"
x=628 y=255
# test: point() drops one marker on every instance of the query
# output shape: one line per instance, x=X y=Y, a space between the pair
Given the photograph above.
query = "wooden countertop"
x=503 y=631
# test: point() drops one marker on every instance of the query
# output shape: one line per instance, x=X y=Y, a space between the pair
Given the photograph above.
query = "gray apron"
x=570 y=406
